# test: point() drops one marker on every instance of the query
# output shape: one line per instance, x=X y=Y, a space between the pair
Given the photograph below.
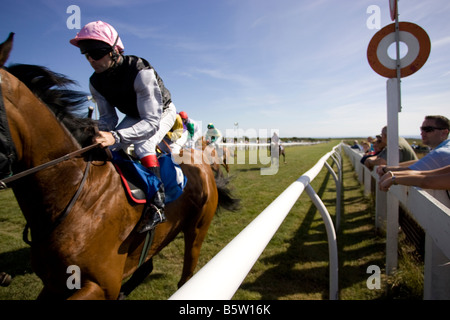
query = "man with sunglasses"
x=434 y=132
x=131 y=85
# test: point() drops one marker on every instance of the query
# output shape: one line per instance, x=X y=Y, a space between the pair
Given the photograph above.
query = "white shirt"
x=149 y=104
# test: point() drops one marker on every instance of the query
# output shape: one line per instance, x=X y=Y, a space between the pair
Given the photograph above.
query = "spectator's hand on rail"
x=381 y=170
x=386 y=181
x=368 y=163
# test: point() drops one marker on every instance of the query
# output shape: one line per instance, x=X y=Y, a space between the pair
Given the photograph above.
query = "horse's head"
x=5 y=49
x=7 y=151
x=205 y=143
x=28 y=95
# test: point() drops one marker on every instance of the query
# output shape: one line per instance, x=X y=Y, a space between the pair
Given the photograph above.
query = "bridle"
x=11 y=156
x=4 y=182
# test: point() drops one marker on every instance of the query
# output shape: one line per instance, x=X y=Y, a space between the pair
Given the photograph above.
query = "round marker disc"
x=413 y=36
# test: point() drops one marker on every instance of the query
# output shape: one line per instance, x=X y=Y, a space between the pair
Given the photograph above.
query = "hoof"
x=122 y=296
x=5 y=279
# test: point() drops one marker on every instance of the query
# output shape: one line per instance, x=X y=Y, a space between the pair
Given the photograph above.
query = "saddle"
x=141 y=184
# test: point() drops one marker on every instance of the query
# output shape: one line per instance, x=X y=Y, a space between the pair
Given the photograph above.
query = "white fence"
x=247 y=145
x=429 y=208
x=223 y=274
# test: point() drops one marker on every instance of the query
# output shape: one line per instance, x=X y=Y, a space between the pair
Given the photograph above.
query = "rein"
x=72 y=201
x=4 y=182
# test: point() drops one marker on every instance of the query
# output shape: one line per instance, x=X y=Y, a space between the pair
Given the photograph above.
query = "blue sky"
x=296 y=66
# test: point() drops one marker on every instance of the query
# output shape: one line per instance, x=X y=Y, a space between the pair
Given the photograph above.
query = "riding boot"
x=153 y=213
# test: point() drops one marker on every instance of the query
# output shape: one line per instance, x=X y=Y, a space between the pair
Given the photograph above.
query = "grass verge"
x=294 y=265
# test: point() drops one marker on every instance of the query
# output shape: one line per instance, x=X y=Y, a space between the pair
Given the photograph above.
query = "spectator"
x=370 y=140
x=406 y=153
x=366 y=147
x=428 y=179
x=434 y=132
x=356 y=145
x=378 y=146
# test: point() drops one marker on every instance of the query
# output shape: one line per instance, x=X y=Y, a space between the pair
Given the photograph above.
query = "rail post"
x=332 y=242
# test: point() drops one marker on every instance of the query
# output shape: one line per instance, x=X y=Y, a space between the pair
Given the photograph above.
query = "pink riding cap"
x=99 y=30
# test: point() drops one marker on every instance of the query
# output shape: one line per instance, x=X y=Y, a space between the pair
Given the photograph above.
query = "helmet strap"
x=114 y=54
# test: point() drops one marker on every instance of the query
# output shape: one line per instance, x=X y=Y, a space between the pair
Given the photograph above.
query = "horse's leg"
x=227 y=168
x=225 y=158
x=89 y=291
x=193 y=239
x=191 y=254
x=136 y=279
x=106 y=286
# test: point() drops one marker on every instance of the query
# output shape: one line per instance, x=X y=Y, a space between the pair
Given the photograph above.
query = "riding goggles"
x=94 y=49
x=430 y=129
x=97 y=54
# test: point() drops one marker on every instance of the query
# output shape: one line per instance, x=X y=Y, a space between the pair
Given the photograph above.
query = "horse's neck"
x=38 y=134
x=39 y=137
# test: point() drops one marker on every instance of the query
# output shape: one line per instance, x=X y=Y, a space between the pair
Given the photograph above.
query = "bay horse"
x=281 y=152
x=98 y=233
x=216 y=157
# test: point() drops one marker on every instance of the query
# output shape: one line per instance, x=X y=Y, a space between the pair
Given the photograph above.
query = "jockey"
x=175 y=138
x=275 y=145
x=213 y=135
x=131 y=85
x=193 y=129
x=275 y=139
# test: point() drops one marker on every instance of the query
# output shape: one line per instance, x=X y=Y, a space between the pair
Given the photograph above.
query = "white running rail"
x=220 y=278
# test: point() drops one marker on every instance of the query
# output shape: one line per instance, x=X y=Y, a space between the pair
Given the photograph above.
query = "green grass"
x=14 y=253
x=294 y=265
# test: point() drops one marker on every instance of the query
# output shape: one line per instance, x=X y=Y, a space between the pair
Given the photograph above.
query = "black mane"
x=69 y=106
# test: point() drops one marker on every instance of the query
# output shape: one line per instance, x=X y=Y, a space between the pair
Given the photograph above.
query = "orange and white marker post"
x=419 y=46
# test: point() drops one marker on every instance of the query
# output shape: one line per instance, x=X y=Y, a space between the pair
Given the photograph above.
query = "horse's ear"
x=5 y=49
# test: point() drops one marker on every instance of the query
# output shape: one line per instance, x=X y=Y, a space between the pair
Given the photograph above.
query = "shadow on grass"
x=16 y=262
x=284 y=279
x=299 y=271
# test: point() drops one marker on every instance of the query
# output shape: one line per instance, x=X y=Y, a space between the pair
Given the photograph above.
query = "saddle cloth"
x=141 y=184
